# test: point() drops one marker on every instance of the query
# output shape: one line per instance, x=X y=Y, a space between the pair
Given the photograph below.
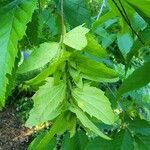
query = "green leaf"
x=76 y=13
x=76 y=38
x=94 y=70
x=142 y=142
x=137 y=45
x=141 y=22
x=40 y=57
x=78 y=142
x=125 y=42
x=141 y=96
x=95 y=103
x=51 y=144
x=43 y=75
x=60 y=125
x=32 y=38
x=46 y=102
x=122 y=141
x=139 y=127
x=49 y=70
x=137 y=79
x=98 y=144
x=94 y=48
x=14 y=18
x=87 y=123
x=103 y=19
x=142 y=8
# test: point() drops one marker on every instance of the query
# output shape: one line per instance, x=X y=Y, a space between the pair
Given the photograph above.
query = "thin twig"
x=101 y=9
x=62 y=20
x=126 y=20
x=124 y=11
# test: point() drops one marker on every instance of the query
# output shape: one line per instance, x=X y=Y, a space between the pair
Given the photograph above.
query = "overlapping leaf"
x=94 y=48
x=49 y=70
x=46 y=102
x=40 y=57
x=94 y=70
x=50 y=144
x=87 y=123
x=95 y=103
x=76 y=38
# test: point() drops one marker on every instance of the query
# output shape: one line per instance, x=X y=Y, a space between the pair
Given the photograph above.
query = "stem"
x=127 y=21
x=124 y=11
x=62 y=21
x=101 y=9
x=67 y=74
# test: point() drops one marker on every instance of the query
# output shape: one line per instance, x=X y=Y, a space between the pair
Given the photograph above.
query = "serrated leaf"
x=95 y=103
x=14 y=18
x=76 y=38
x=87 y=123
x=40 y=57
x=46 y=102
x=136 y=79
x=94 y=70
x=94 y=48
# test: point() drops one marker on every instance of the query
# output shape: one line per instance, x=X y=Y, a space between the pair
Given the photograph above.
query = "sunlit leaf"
x=87 y=123
x=76 y=38
x=40 y=57
x=95 y=103
x=46 y=102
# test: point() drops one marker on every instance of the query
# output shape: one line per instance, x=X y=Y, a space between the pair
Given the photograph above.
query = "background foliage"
x=87 y=64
